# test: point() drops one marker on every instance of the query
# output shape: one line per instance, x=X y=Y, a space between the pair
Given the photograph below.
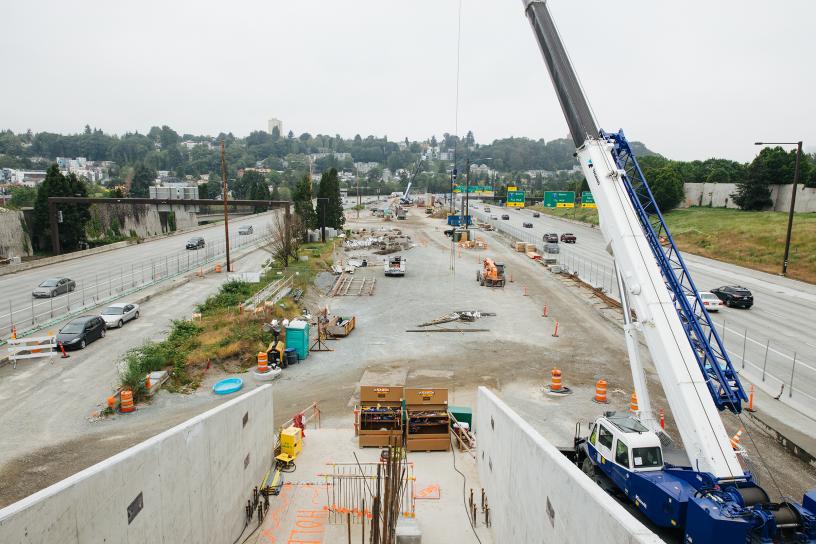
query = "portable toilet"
x=297 y=337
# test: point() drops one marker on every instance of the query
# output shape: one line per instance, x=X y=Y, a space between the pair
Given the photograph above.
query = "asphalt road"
x=105 y=274
x=779 y=324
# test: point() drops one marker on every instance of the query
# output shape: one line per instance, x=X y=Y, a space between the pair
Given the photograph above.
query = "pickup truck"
x=551 y=238
x=568 y=238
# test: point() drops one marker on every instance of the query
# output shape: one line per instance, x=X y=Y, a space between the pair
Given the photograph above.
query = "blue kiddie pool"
x=227 y=386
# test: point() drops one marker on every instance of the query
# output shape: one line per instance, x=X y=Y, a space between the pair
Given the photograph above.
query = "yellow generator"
x=291 y=440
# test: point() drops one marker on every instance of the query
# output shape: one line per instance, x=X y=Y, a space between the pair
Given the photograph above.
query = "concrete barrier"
x=535 y=494
x=187 y=484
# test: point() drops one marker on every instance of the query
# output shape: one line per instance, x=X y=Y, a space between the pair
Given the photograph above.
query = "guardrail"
x=114 y=283
x=767 y=362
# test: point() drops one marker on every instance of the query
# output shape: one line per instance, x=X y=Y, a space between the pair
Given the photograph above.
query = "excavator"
x=491 y=274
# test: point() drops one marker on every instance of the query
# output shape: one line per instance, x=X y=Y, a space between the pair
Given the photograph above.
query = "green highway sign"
x=587 y=200
x=559 y=199
x=515 y=199
x=479 y=190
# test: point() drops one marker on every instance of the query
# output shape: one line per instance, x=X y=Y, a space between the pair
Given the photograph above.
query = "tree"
x=286 y=239
x=333 y=207
x=143 y=178
x=23 y=197
x=754 y=192
x=667 y=188
x=275 y=193
x=718 y=175
x=74 y=217
x=304 y=208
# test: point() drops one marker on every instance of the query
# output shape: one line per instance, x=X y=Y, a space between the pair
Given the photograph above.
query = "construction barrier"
x=263 y=362
x=633 y=405
x=126 y=402
x=600 y=392
x=555 y=380
x=31 y=348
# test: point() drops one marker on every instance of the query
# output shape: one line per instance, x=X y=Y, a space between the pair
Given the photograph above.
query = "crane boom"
x=686 y=386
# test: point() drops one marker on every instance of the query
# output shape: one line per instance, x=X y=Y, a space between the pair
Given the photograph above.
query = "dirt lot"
x=514 y=357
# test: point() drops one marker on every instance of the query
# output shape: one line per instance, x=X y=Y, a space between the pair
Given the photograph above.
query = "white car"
x=710 y=301
x=244 y=230
x=116 y=315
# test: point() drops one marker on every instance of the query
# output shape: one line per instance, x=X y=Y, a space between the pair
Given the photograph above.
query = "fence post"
x=765 y=362
x=110 y=283
x=11 y=316
x=793 y=369
x=68 y=303
x=96 y=281
x=32 y=311
x=744 y=341
x=51 y=299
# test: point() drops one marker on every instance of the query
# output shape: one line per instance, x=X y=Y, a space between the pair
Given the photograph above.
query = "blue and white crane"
x=706 y=493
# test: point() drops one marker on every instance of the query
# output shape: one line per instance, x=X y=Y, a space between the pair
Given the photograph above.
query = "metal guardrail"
x=763 y=360
x=115 y=283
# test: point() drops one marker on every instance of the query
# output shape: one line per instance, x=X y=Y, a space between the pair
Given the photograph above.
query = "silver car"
x=53 y=287
x=245 y=230
x=116 y=315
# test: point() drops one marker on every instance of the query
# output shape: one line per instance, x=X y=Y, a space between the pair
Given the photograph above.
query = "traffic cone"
x=735 y=440
x=633 y=405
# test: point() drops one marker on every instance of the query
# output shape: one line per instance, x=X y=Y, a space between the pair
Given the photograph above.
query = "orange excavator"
x=491 y=274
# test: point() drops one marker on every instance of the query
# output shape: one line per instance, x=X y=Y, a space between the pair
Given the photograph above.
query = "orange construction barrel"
x=263 y=362
x=126 y=401
x=555 y=383
x=600 y=392
x=218 y=267
x=633 y=405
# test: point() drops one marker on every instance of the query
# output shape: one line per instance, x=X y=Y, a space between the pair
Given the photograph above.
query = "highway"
x=105 y=274
x=776 y=329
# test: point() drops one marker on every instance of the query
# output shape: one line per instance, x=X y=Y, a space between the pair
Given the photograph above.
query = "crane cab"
x=623 y=442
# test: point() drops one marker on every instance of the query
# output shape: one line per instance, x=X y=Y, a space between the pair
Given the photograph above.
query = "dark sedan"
x=196 y=242
x=734 y=296
x=81 y=331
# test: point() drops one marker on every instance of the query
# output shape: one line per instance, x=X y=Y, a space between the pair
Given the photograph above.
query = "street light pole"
x=226 y=214
x=792 y=200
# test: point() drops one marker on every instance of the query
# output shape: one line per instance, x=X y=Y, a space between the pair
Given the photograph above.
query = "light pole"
x=793 y=198
x=226 y=214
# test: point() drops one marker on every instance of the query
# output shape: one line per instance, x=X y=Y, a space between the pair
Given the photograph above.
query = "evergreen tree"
x=74 y=217
x=143 y=178
x=304 y=208
x=333 y=208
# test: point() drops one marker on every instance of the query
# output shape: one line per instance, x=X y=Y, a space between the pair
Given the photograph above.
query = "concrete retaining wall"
x=194 y=480
x=535 y=494
x=141 y=219
x=14 y=241
x=718 y=195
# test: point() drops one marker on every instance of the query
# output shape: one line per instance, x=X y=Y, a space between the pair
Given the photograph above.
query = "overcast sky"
x=691 y=79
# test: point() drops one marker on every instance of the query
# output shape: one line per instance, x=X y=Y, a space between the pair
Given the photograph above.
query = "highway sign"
x=515 y=198
x=476 y=190
x=559 y=199
x=587 y=201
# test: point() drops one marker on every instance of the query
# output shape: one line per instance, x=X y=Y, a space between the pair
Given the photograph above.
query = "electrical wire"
x=464 y=494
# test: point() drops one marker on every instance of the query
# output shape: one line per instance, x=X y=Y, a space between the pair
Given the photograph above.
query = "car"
x=487 y=209
x=734 y=296
x=536 y=214
x=53 y=287
x=116 y=315
x=551 y=238
x=494 y=218
x=81 y=331
x=506 y=217
x=245 y=230
x=196 y=242
x=527 y=225
x=710 y=301
x=568 y=238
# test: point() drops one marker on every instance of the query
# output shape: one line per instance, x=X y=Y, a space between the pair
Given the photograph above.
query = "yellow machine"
x=291 y=440
x=491 y=274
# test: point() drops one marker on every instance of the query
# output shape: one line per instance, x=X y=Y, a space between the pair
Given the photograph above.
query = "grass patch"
x=224 y=337
x=750 y=239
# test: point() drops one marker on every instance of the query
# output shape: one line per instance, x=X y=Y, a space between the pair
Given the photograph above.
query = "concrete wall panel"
x=718 y=195
x=192 y=479
x=534 y=492
x=14 y=241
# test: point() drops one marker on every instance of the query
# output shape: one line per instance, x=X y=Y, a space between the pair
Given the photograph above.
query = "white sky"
x=691 y=79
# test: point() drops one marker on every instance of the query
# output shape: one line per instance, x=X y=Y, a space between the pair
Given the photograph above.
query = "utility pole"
x=226 y=214
x=359 y=202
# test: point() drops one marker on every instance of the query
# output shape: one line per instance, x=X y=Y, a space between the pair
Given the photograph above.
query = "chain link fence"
x=112 y=283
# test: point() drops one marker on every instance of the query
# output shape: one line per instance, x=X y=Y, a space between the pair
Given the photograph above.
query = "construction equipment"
x=395 y=266
x=491 y=274
x=705 y=493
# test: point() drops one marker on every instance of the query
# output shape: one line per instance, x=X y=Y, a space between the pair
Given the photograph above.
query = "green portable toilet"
x=297 y=337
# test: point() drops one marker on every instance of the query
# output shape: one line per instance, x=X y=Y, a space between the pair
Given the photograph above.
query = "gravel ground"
x=513 y=357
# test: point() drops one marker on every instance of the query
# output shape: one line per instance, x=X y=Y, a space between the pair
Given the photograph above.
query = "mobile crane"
x=706 y=493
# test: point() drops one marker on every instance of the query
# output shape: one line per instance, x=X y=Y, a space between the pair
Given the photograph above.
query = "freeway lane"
x=779 y=324
x=101 y=275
